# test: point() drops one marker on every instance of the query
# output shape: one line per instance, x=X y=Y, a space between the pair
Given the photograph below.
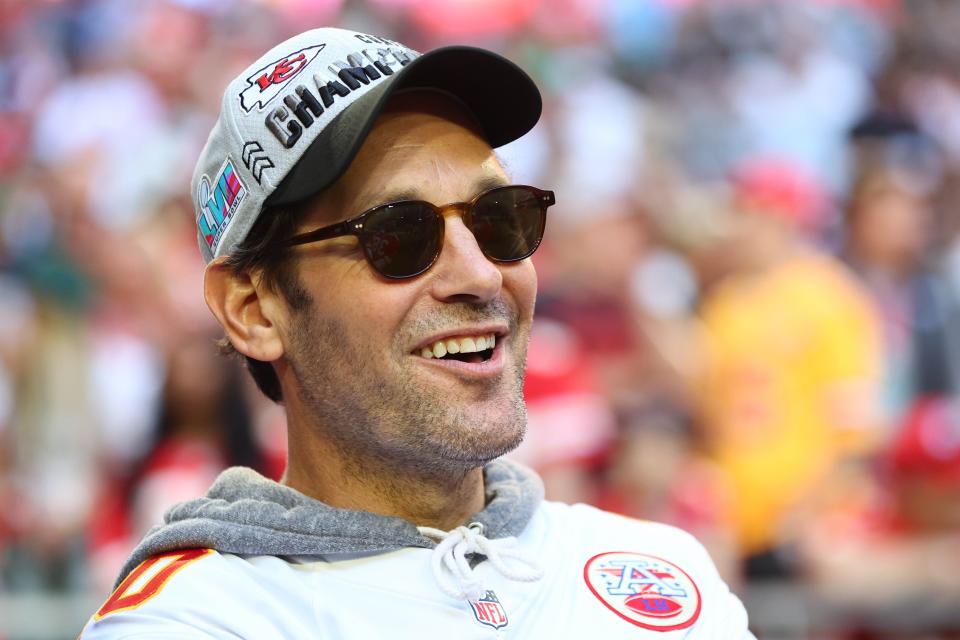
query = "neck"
x=432 y=498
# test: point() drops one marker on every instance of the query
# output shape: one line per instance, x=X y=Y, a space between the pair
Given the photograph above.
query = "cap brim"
x=501 y=96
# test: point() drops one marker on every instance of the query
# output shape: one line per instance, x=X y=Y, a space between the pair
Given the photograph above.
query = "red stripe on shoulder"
x=148 y=579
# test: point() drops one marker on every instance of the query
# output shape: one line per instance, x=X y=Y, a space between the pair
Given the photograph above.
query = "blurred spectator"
x=660 y=471
x=924 y=465
x=889 y=224
x=586 y=286
x=570 y=423
x=203 y=426
x=882 y=551
x=791 y=359
x=811 y=93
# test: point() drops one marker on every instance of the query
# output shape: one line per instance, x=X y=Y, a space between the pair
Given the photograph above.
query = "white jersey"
x=603 y=575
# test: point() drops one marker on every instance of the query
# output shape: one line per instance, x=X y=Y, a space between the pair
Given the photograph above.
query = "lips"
x=463 y=346
x=470 y=353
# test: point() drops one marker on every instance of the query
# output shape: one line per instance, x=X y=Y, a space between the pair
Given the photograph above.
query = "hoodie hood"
x=247 y=514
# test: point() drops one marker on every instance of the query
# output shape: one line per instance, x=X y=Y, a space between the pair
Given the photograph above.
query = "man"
x=393 y=327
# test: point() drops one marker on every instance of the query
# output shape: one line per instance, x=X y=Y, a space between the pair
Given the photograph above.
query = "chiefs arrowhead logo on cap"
x=265 y=84
x=647 y=591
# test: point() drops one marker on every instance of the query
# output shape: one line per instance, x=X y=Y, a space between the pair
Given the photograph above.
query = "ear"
x=246 y=310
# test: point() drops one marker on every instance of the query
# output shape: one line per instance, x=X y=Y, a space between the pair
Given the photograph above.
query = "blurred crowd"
x=749 y=306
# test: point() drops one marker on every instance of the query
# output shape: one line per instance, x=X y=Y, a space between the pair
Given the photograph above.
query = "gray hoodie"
x=245 y=513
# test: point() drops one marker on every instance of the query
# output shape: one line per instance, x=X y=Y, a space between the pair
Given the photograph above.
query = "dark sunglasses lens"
x=402 y=240
x=508 y=223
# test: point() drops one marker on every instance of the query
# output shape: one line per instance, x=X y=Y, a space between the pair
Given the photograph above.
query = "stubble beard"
x=385 y=420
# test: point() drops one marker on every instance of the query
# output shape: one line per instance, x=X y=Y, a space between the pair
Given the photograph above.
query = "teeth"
x=467 y=344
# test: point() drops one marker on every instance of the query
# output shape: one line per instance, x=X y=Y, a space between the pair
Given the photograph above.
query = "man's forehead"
x=351 y=204
x=425 y=146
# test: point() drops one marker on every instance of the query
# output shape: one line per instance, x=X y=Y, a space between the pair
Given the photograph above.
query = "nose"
x=462 y=273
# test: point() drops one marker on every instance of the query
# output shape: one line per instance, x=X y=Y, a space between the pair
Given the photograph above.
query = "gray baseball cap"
x=292 y=122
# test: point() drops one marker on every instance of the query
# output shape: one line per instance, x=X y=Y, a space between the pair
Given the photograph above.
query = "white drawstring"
x=451 y=552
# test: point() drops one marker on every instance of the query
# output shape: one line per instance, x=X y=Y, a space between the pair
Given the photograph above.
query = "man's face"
x=355 y=353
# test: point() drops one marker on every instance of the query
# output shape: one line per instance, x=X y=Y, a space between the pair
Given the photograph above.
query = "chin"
x=480 y=443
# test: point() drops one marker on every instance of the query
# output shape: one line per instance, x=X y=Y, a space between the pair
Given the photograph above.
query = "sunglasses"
x=403 y=239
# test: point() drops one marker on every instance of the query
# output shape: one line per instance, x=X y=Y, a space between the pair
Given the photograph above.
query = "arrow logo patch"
x=266 y=83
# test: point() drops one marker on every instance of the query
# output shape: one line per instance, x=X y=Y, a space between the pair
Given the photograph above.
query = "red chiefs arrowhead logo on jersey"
x=647 y=591
x=265 y=84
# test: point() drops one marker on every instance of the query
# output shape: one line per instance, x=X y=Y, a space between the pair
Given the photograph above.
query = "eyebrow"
x=412 y=193
x=489 y=182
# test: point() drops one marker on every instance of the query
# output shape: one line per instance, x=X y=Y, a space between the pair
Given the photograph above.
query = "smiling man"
x=369 y=257
x=421 y=377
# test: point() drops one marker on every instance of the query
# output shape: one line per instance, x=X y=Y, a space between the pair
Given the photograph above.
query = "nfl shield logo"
x=489 y=611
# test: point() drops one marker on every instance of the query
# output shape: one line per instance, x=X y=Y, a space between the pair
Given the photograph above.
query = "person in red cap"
x=369 y=257
x=792 y=355
x=882 y=551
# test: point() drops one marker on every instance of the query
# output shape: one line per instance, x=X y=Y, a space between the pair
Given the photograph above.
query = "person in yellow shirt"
x=791 y=360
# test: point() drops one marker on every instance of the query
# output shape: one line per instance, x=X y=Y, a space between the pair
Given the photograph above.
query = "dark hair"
x=264 y=250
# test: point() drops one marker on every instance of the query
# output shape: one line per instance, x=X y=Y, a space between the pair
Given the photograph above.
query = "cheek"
x=369 y=311
x=520 y=280
x=375 y=317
